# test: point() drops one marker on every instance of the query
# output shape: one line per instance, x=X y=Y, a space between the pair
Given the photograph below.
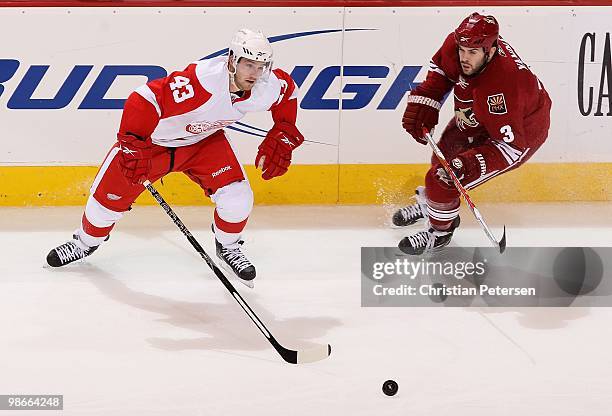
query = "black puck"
x=390 y=387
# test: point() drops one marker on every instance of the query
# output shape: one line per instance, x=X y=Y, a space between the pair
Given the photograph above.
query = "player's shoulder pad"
x=448 y=50
x=501 y=74
x=159 y=86
x=178 y=93
x=212 y=73
x=285 y=79
x=497 y=93
x=449 y=42
x=445 y=62
x=288 y=89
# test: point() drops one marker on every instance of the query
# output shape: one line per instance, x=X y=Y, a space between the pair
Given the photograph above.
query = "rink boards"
x=64 y=82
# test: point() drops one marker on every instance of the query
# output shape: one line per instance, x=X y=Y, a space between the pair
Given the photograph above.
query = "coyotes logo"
x=462 y=82
x=464 y=118
x=497 y=104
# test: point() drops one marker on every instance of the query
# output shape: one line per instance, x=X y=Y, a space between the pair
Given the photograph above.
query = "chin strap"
x=482 y=68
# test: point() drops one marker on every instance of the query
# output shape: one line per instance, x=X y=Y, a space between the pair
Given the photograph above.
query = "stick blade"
x=311 y=355
x=502 y=242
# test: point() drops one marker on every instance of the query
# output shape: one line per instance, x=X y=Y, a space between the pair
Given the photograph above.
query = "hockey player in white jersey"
x=175 y=124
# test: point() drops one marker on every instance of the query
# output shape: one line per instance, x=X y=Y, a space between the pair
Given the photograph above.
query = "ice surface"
x=143 y=327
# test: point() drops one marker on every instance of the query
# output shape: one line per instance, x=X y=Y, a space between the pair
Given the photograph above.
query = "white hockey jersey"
x=194 y=103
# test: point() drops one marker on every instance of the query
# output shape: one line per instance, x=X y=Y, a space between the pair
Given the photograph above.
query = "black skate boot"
x=429 y=239
x=234 y=261
x=412 y=213
x=69 y=252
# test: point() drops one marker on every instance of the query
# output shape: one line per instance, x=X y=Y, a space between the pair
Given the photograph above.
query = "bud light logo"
x=357 y=95
x=22 y=97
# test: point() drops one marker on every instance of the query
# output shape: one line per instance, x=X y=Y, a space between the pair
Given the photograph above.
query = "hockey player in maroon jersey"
x=175 y=124
x=502 y=116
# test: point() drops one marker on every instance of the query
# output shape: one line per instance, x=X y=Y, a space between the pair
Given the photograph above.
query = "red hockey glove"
x=274 y=155
x=420 y=112
x=135 y=157
x=459 y=168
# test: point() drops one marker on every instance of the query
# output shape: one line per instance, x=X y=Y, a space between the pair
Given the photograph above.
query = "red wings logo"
x=497 y=104
x=204 y=126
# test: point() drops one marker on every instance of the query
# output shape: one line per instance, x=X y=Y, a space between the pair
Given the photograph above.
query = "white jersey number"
x=181 y=89
x=507 y=132
x=283 y=90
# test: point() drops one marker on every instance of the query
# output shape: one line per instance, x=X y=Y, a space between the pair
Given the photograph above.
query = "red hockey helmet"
x=477 y=31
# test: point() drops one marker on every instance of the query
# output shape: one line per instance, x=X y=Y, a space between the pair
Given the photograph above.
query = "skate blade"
x=403 y=227
x=428 y=252
x=82 y=261
x=248 y=283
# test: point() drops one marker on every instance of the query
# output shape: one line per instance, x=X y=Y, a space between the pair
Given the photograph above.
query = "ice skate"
x=428 y=240
x=412 y=213
x=69 y=252
x=235 y=262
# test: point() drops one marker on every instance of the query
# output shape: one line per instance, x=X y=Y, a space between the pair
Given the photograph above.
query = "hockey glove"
x=421 y=112
x=274 y=155
x=135 y=157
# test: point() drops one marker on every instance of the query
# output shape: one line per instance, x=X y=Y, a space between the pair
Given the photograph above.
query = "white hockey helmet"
x=249 y=44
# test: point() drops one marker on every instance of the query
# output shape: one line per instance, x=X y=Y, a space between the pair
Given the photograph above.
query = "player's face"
x=248 y=72
x=471 y=59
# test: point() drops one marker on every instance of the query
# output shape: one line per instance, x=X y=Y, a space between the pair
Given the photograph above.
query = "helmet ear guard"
x=234 y=63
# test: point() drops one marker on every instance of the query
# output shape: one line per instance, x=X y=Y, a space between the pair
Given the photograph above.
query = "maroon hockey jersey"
x=505 y=103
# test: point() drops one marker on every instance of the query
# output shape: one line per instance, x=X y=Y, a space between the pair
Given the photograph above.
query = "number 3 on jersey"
x=508 y=133
x=181 y=89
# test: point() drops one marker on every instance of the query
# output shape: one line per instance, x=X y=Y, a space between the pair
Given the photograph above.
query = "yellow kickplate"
x=320 y=184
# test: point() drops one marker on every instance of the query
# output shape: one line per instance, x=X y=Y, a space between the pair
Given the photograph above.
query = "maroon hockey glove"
x=421 y=112
x=135 y=157
x=274 y=155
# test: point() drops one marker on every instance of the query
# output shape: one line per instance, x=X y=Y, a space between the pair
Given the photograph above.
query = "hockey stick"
x=501 y=244
x=291 y=356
